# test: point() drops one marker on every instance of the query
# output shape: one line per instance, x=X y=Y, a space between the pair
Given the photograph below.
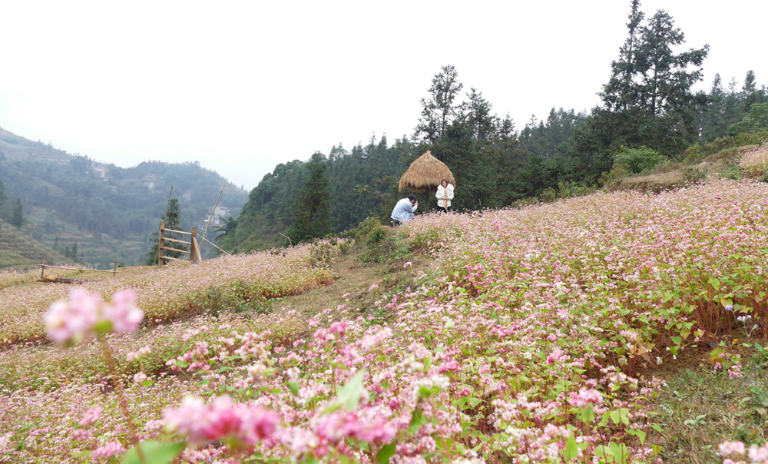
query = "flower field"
x=525 y=341
x=170 y=292
x=755 y=162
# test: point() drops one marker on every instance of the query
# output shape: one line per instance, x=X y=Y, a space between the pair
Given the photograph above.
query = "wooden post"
x=42 y=271
x=197 y=251
x=160 y=244
x=192 y=245
x=114 y=271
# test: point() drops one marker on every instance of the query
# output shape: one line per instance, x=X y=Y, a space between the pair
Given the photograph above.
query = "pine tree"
x=439 y=111
x=172 y=221
x=311 y=210
x=17 y=215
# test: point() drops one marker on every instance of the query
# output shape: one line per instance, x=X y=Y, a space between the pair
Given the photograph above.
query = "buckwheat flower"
x=584 y=397
x=730 y=448
x=91 y=416
x=658 y=360
x=4 y=440
x=373 y=287
x=758 y=454
x=74 y=320
x=339 y=328
x=81 y=434
x=107 y=451
x=139 y=377
x=729 y=307
x=407 y=265
x=123 y=314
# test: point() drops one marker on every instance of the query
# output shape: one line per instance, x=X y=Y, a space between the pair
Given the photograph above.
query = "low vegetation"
x=547 y=332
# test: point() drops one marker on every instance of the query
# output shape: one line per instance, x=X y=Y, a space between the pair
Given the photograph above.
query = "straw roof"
x=426 y=172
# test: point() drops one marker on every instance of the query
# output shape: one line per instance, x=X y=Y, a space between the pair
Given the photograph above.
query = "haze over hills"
x=105 y=211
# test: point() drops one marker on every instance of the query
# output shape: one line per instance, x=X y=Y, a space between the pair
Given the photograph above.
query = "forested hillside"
x=650 y=114
x=72 y=202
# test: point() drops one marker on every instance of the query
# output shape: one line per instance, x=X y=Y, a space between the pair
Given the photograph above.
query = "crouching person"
x=404 y=210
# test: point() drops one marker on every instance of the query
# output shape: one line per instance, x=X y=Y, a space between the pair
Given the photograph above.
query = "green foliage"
x=638 y=159
x=755 y=120
x=17 y=215
x=698 y=152
x=312 y=207
x=110 y=217
x=172 y=221
x=379 y=245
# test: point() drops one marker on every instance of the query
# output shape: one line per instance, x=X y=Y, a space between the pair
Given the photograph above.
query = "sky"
x=241 y=86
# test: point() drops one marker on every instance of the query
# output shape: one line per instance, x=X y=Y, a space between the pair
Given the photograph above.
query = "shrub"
x=638 y=159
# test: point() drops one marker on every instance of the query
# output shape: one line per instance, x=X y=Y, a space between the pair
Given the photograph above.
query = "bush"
x=638 y=160
x=380 y=246
x=698 y=152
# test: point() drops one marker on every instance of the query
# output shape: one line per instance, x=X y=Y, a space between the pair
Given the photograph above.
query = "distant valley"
x=97 y=212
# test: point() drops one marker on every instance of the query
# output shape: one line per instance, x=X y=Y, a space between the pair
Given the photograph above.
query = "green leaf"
x=676 y=340
x=349 y=395
x=571 y=450
x=294 y=386
x=417 y=419
x=587 y=413
x=182 y=364
x=154 y=453
x=386 y=452
x=715 y=283
x=449 y=323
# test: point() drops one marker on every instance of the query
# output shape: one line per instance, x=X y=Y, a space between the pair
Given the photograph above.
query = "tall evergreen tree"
x=311 y=210
x=172 y=221
x=440 y=109
x=17 y=215
x=648 y=99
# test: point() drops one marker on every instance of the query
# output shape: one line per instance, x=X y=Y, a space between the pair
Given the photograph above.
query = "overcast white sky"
x=242 y=86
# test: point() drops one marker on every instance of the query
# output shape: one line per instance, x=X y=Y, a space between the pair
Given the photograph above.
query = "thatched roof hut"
x=426 y=173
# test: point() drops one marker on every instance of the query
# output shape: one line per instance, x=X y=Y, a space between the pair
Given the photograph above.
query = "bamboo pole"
x=214 y=245
x=74 y=268
x=114 y=271
x=177 y=231
x=205 y=232
x=160 y=243
x=176 y=250
x=192 y=243
x=197 y=252
x=177 y=241
x=168 y=258
x=42 y=271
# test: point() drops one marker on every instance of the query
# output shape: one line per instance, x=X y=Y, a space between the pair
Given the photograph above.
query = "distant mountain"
x=107 y=211
x=20 y=251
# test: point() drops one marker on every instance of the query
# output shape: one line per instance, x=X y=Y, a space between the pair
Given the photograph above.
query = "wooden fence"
x=194 y=246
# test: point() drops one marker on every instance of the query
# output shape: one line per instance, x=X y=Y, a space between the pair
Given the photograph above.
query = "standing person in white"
x=444 y=196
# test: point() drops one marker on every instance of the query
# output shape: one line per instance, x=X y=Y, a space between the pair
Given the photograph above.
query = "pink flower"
x=123 y=314
x=373 y=287
x=139 y=377
x=556 y=356
x=221 y=419
x=74 y=320
x=82 y=316
x=81 y=434
x=729 y=448
x=91 y=416
x=584 y=397
x=339 y=328
x=107 y=451
x=758 y=454
x=465 y=392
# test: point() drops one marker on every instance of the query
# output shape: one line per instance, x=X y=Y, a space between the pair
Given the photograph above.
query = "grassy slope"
x=17 y=250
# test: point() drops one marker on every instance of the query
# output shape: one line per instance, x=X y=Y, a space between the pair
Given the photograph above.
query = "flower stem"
x=120 y=394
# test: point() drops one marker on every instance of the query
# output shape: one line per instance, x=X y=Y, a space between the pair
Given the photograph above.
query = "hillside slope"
x=108 y=211
x=17 y=250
